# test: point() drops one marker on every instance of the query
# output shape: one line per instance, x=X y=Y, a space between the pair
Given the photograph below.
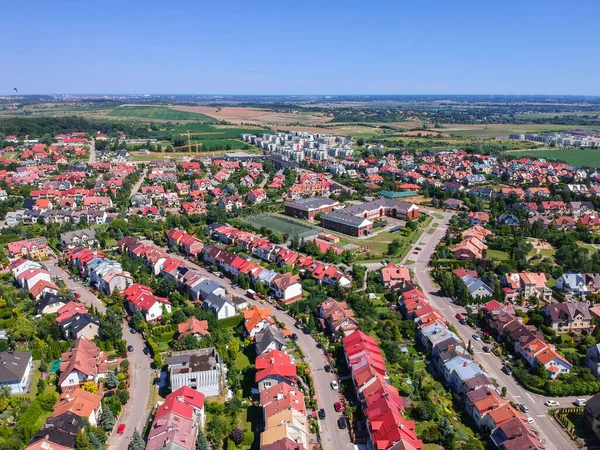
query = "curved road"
x=551 y=436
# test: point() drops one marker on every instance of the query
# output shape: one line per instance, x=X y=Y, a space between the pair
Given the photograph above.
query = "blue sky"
x=301 y=47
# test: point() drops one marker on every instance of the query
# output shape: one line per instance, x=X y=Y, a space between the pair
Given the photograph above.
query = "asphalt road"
x=550 y=434
x=92 y=158
x=135 y=412
x=136 y=186
x=332 y=438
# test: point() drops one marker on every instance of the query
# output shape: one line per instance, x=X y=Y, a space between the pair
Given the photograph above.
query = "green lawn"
x=157 y=113
x=497 y=255
x=590 y=158
x=242 y=361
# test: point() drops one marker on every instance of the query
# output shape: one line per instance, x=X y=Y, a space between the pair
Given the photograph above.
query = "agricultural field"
x=157 y=113
x=281 y=225
x=482 y=131
x=589 y=158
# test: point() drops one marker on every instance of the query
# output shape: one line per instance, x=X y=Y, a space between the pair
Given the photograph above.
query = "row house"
x=336 y=317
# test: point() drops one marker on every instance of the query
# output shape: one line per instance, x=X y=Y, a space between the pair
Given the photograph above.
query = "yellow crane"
x=189 y=144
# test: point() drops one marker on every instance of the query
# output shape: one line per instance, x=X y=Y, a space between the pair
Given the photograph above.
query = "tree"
x=138 y=442
x=218 y=427
x=360 y=142
x=107 y=421
x=138 y=319
x=111 y=327
x=504 y=391
x=111 y=381
x=123 y=396
x=90 y=386
x=237 y=435
x=201 y=442
x=82 y=442
x=23 y=329
x=116 y=298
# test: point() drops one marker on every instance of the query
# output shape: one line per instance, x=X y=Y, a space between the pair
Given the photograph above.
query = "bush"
x=237 y=435
x=123 y=396
x=124 y=365
x=121 y=385
x=248 y=438
x=230 y=444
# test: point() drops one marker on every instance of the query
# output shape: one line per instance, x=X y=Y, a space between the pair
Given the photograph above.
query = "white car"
x=334 y=385
x=580 y=402
x=530 y=421
x=551 y=403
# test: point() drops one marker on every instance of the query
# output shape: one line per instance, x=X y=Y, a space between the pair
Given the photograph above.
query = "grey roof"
x=474 y=283
x=13 y=366
x=311 y=203
x=199 y=360
x=79 y=321
x=67 y=421
x=49 y=298
x=206 y=286
x=263 y=338
x=67 y=238
x=56 y=436
x=216 y=302
x=345 y=219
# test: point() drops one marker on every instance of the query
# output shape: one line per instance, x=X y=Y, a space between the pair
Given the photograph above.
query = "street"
x=136 y=186
x=92 y=158
x=332 y=438
x=550 y=435
x=135 y=412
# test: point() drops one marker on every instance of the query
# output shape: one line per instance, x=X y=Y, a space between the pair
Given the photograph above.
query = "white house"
x=15 y=371
x=219 y=306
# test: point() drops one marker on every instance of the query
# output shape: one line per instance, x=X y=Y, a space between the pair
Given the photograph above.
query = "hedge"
x=232 y=322
x=155 y=353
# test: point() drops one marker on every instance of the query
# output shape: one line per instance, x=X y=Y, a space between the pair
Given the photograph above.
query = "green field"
x=590 y=158
x=201 y=132
x=157 y=113
x=494 y=130
x=281 y=225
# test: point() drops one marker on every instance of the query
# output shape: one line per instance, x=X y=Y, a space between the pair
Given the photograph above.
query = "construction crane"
x=189 y=144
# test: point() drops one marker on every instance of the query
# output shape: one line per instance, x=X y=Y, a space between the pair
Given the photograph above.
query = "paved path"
x=136 y=186
x=135 y=412
x=552 y=437
x=92 y=158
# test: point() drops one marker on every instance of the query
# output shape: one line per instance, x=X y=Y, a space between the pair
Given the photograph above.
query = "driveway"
x=135 y=412
x=551 y=436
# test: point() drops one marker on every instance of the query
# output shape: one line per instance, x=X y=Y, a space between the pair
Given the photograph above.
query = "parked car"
x=523 y=407
x=335 y=385
x=111 y=360
x=507 y=370
x=146 y=351
x=459 y=316
x=130 y=348
x=121 y=429
x=530 y=421
x=77 y=295
x=327 y=368
x=132 y=330
x=337 y=406
x=322 y=414
x=342 y=423
x=486 y=349
x=462 y=321
x=234 y=286
x=294 y=337
x=415 y=252
x=419 y=248
x=476 y=337
x=551 y=403
x=580 y=402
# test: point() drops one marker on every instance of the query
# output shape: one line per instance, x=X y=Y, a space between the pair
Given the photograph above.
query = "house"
x=256 y=320
x=286 y=287
x=42 y=287
x=80 y=325
x=527 y=285
x=479 y=218
x=50 y=303
x=337 y=317
x=270 y=338
x=509 y=219
x=476 y=287
x=567 y=317
x=453 y=203
x=394 y=276
x=194 y=327
x=58 y=433
x=82 y=363
x=591 y=414
x=78 y=238
x=593 y=359
x=257 y=196
x=572 y=284
x=29 y=248
x=141 y=298
x=273 y=368
x=201 y=369
x=15 y=371
x=219 y=306
x=515 y=434
x=84 y=404
x=469 y=249
x=206 y=287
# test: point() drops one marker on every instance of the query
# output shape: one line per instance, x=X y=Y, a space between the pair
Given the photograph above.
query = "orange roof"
x=254 y=316
x=78 y=401
x=193 y=326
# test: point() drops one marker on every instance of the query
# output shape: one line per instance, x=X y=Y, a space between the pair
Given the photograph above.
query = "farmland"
x=589 y=158
x=157 y=113
x=493 y=130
